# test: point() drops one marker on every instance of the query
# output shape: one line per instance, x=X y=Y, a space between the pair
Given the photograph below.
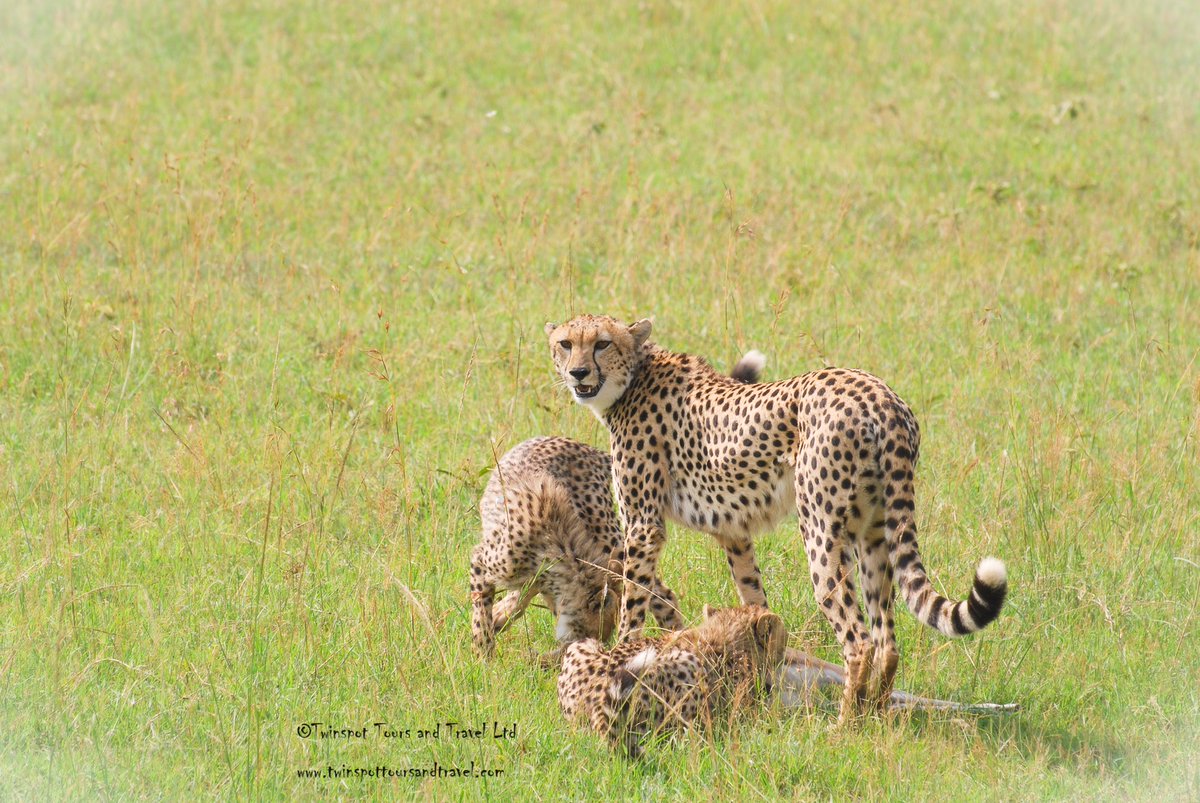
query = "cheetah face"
x=595 y=356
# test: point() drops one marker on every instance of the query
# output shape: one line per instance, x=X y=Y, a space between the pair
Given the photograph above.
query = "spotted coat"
x=549 y=529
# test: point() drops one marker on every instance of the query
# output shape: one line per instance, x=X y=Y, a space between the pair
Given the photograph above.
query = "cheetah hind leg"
x=886 y=662
x=856 y=691
x=834 y=589
x=857 y=646
x=877 y=577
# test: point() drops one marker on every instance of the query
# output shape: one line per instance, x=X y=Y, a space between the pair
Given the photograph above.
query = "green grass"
x=274 y=278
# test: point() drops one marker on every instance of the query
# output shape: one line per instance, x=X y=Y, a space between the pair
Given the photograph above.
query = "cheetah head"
x=596 y=356
x=751 y=634
x=601 y=608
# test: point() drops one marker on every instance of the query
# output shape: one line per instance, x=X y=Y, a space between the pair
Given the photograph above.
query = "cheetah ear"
x=709 y=611
x=549 y=327
x=766 y=628
x=640 y=331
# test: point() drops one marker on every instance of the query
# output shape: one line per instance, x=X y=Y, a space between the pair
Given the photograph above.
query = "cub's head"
x=751 y=634
x=600 y=618
x=596 y=356
x=607 y=600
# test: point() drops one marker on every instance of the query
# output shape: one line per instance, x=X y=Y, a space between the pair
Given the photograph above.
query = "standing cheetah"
x=837 y=446
x=649 y=686
x=549 y=527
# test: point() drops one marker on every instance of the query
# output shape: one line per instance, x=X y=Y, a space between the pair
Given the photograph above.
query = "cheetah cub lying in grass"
x=836 y=446
x=645 y=687
x=737 y=657
x=549 y=528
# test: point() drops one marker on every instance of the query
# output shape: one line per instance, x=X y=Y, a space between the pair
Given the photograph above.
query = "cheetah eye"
x=601 y=345
x=565 y=345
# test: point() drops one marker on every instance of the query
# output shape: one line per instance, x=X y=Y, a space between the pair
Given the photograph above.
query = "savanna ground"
x=274 y=277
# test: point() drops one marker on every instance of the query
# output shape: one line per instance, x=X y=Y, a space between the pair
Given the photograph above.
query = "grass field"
x=274 y=276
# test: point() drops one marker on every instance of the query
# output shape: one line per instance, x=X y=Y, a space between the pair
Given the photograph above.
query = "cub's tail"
x=749 y=368
x=618 y=697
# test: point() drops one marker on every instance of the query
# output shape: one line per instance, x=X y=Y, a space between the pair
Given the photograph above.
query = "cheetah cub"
x=549 y=528
x=837 y=447
x=646 y=687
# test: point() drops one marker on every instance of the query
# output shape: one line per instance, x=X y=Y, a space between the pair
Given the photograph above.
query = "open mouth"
x=587 y=391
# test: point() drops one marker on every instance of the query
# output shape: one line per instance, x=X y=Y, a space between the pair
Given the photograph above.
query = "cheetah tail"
x=931 y=608
x=626 y=678
x=749 y=368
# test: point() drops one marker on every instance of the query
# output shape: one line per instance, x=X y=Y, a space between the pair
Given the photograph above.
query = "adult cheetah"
x=549 y=528
x=650 y=686
x=836 y=446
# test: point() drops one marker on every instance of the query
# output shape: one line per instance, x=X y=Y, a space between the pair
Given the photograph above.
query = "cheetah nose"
x=579 y=373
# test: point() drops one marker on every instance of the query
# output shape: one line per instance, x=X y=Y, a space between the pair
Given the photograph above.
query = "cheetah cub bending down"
x=549 y=527
x=649 y=686
x=836 y=446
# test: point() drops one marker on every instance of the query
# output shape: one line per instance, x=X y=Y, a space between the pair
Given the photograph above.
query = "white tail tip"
x=754 y=359
x=641 y=662
x=992 y=572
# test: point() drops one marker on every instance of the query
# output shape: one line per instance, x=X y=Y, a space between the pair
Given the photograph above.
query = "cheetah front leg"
x=643 y=544
x=640 y=482
x=665 y=606
x=511 y=608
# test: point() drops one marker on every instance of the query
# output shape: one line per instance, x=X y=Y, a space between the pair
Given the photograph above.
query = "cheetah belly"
x=723 y=513
x=779 y=504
